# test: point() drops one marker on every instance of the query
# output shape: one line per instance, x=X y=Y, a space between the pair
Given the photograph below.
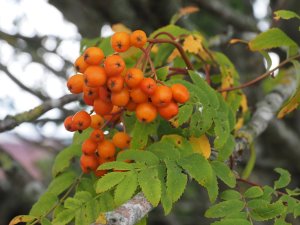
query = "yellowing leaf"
x=22 y=218
x=177 y=138
x=173 y=55
x=236 y=40
x=119 y=27
x=292 y=104
x=243 y=108
x=101 y=219
x=193 y=44
x=201 y=145
x=227 y=81
x=183 y=12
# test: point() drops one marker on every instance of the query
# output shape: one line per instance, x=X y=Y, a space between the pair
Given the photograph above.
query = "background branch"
x=11 y=122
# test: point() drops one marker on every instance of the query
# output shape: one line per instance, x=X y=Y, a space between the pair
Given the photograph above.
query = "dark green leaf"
x=224 y=208
x=162 y=73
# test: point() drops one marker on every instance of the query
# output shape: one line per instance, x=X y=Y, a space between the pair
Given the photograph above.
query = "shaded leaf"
x=224 y=208
x=268 y=211
x=232 y=222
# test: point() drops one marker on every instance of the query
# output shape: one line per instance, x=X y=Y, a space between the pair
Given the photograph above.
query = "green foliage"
x=253 y=192
x=224 y=173
x=285 y=14
x=284 y=179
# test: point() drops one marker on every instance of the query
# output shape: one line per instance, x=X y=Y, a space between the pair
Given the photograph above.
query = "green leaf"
x=44 y=204
x=164 y=51
x=106 y=202
x=224 y=173
x=63 y=159
x=268 y=211
x=162 y=73
x=176 y=180
x=166 y=200
x=281 y=221
x=197 y=167
x=141 y=133
x=285 y=14
x=227 y=149
x=64 y=217
x=172 y=29
x=255 y=203
x=86 y=184
x=126 y=188
x=253 y=192
x=45 y=221
x=117 y=165
x=284 y=179
x=238 y=215
x=185 y=113
x=271 y=38
x=212 y=187
x=230 y=194
x=109 y=180
x=164 y=149
x=150 y=185
x=224 y=208
x=61 y=183
x=232 y=222
x=105 y=45
x=142 y=221
x=297 y=211
x=139 y=156
x=72 y=203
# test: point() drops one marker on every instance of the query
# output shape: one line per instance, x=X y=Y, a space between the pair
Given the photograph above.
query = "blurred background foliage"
x=39 y=41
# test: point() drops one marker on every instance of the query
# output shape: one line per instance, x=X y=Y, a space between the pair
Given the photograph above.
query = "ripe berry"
x=138 y=38
x=94 y=76
x=114 y=114
x=89 y=147
x=81 y=120
x=96 y=121
x=106 y=149
x=131 y=106
x=169 y=111
x=180 y=93
x=88 y=100
x=161 y=96
x=93 y=55
x=114 y=65
x=97 y=136
x=75 y=84
x=120 y=41
x=80 y=64
x=90 y=92
x=101 y=107
x=133 y=77
x=148 y=86
x=100 y=173
x=104 y=94
x=138 y=96
x=146 y=112
x=88 y=163
x=121 y=140
x=115 y=83
x=120 y=98
x=69 y=125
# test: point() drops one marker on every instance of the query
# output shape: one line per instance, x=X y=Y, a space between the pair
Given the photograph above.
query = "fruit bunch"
x=111 y=88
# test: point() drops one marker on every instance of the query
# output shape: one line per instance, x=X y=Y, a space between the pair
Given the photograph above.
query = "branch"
x=136 y=208
x=266 y=110
x=21 y=85
x=11 y=122
x=229 y=15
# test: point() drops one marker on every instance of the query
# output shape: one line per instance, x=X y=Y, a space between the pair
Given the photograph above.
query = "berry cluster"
x=110 y=88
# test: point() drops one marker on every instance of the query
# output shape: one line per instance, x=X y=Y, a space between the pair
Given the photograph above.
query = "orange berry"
x=89 y=147
x=120 y=98
x=106 y=149
x=81 y=120
x=97 y=136
x=138 y=38
x=104 y=94
x=114 y=65
x=96 y=121
x=75 y=83
x=121 y=140
x=88 y=100
x=120 y=41
x=114 y=114
x=93 y=55
x=69 y=125
x=169 y=111
x=180 y=93
x=148 y=85
x=131 y=106
x=133 y=77
x=100 y=173
x=146 y=112
x=161 y=96
x=94 y=76
x=138 y=96
x=80 y=64
x=88 y=163
x=115 y=83
x=90 y=92
x=101 y=107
